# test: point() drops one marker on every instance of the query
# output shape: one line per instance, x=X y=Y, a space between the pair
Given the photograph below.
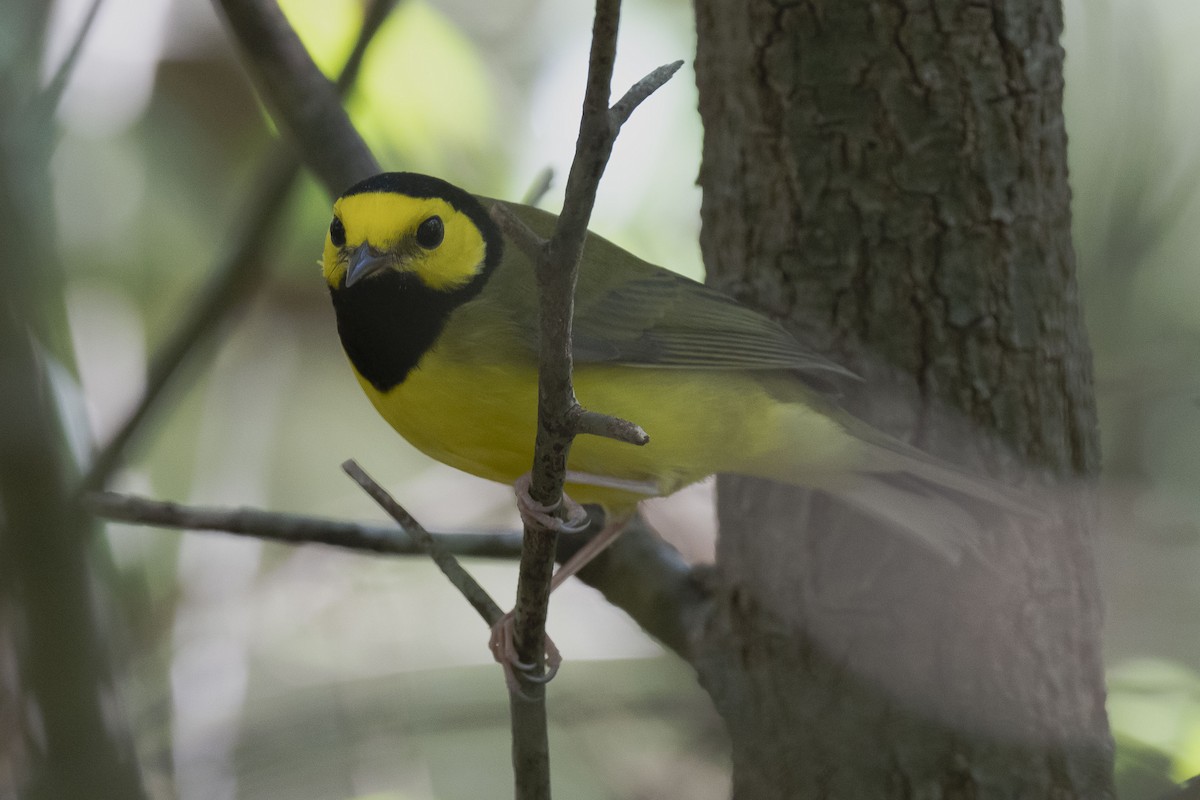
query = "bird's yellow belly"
x=482 y=419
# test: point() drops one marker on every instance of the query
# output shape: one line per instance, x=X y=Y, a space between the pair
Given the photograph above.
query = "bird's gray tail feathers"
x=943 y=507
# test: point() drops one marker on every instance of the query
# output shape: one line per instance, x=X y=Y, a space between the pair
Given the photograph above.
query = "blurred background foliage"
x=255 y=670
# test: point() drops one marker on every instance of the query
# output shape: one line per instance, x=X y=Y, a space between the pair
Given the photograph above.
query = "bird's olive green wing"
x=662 y=319
x=633 y=313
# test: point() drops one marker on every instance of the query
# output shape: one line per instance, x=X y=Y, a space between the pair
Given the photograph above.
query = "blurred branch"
x=648 y=579
x=1188 y=790
x=376 y=14
x=448 y=564
x=51 y=96
x=238 y=273
x=297 y=528
x=65 y=731
x=302 y=100
x=541 y=184
x=640 y=574
x=230 y=284
x=304 y=104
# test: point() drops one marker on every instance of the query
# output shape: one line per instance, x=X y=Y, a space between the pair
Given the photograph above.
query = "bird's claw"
x=534 y=513
x=505 y=652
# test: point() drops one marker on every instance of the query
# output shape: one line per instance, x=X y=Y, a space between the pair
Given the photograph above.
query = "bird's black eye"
x=431 y=232
x=337 y=233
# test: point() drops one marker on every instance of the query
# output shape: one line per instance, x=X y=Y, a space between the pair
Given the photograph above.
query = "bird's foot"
x=534 y=513
x=504 y=650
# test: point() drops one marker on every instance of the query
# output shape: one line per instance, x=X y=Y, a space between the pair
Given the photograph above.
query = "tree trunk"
x=890 y=179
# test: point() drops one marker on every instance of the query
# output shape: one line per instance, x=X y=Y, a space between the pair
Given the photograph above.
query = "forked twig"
x=560 y=417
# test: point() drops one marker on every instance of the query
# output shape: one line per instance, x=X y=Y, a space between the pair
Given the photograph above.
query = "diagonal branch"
x=242 y=268
x=228 y=286
x=475 y=594
x=52 y=95
x=537 y=190
x=521 y=234
x=648 y=579
x=302 y=100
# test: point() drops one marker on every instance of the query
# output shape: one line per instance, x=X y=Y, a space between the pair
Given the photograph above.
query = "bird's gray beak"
x=364 y=262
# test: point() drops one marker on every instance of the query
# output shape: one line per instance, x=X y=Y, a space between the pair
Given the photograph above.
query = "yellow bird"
x=438 y=315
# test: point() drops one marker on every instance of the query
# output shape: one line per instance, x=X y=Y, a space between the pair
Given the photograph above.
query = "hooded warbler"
x=438 y=316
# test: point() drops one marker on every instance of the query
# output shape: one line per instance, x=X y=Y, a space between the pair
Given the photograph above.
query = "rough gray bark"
x=890 y=178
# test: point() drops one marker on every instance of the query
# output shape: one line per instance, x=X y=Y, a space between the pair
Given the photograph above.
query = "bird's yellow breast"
x=482 y=418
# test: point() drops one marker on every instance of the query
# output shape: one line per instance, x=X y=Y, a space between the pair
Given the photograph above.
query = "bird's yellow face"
x=374 y=232
x=403 y=253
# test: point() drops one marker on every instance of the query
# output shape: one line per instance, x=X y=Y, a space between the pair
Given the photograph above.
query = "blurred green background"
x=257 y=670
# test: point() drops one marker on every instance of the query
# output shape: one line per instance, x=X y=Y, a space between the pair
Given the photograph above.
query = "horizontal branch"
x=297 y=528
x=640 y=574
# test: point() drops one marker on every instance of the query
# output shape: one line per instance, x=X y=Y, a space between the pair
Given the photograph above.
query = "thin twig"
x=375 y=15
x=610 y=427
x=597 y=132
x=557 y=268
x=641 y=90
x=475 y=594
x=515 y=229
x=541 y=184
x=238 y=273
x=579 y=419
x=51 y=96
x=559 y=413
x=560 y=417
x=298 y=528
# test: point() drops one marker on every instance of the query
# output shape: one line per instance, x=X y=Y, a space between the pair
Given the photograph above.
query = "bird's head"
x=409 y=224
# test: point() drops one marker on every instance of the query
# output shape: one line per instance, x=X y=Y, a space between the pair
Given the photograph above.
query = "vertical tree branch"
x=560 y=417
x=557 y=270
